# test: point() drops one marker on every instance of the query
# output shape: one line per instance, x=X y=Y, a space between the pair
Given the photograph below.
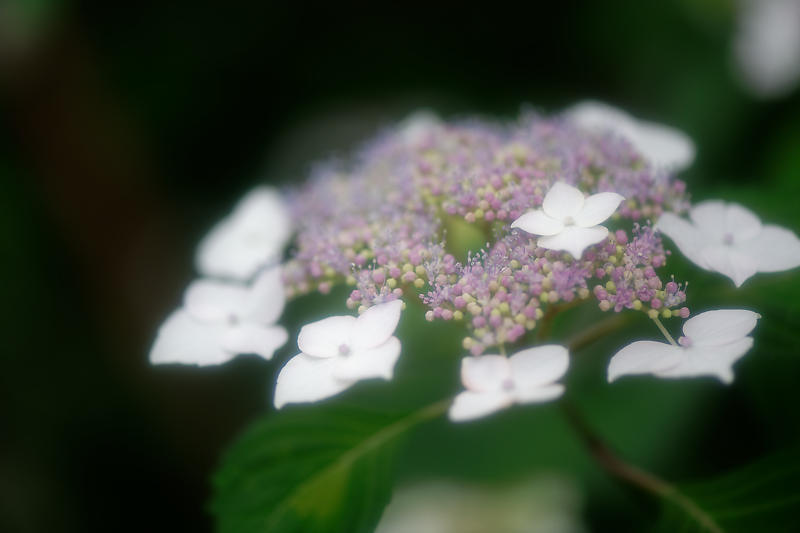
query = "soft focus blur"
x=126 y=131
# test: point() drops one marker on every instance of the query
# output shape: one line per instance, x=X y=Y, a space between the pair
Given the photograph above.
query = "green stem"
x=597 y=331
x=546 y=323
x=634 y=475
x=664 y=331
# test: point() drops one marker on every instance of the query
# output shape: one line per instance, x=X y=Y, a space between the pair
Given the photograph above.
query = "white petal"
x=689 y=240
x=644 y=357
x=307 y=379
x=215 y=301
x=417 y=127
x=767 y=46
x=721 y=326
x=729 y=261
x=375 y=325
x=562 y=201
x=719 y=222
x=598 y=116
x=538 y=366
x=539 y=394
x=181 y=339
x=323 y=338
x=368 y=363
x=775 y=249
x=538 y=223
x=597 y=208
x=252 y=236
x=710 y=361
x=742 y=223
x=266 y=297
x=710 y=217
x=470 y=405
x=574 y=239
x=254 y=338
x=486 y=373
x=663 y=146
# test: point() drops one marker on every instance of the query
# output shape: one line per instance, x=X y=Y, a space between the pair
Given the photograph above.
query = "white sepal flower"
x=730 y=239
x=252 y=236
x=419 y=126
x=568 y=220
x=713 y=341
x=494 y=382
x=220 y=320
x=767 y=46
x=662 y=146
x=338 y=351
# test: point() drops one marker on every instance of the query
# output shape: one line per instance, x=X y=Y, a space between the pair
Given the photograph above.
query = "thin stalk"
x=597 y=331
x=664 y=331
x=634 y=475
x=546 y=323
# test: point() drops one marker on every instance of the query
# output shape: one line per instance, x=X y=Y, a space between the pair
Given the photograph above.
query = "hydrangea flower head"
x=495 y=227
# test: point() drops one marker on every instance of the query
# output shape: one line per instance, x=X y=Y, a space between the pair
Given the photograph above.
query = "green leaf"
x=312 y=469
x=763 y=496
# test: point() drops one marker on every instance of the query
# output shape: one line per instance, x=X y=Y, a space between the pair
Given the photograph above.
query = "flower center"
x=569 y=221
x=728 y=238
x=508 y=384
x=233 y=320
x=344 y=349
x=685 y=342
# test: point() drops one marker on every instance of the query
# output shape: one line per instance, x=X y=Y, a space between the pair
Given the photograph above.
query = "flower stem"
x=664 y=331
x=597 y=331
x=634 y=475
x=546 y=323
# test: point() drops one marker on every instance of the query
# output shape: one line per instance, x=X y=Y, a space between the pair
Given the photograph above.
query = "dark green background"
x=126 y=130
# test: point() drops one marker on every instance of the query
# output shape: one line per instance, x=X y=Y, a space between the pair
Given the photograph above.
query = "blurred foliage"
x=759 y=497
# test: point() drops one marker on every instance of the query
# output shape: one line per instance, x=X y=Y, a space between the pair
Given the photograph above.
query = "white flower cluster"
x=235 y=309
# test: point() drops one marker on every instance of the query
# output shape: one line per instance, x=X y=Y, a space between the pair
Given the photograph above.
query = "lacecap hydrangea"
x=491 y=225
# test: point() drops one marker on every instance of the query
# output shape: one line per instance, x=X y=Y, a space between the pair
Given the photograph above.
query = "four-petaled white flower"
x=730 y=239
x=251 y=237
x=494 y=382
x=220 y=320
x=713 y=341
x=569 y=221
x=338 y=351
x=662 y=146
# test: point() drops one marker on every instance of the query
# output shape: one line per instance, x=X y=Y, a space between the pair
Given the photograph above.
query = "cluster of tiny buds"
x=503 y=292
x=380 y=226
x=632 y=281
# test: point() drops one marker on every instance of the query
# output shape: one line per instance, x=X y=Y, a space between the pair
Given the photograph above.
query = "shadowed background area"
x=126 y=131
